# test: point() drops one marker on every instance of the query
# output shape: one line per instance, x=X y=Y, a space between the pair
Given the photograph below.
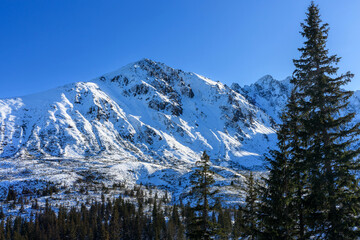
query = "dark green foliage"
x=121 y=222
x=2 y=215
x=200 y=225
x=158 y=221
x=175 y=228
x=250 y=211
x=333 y=198
x=238 y=227
x=120 y=219
x=312 y=190
x=224 y=223
x=11 y=196
x=2 y=230
x=284 y=190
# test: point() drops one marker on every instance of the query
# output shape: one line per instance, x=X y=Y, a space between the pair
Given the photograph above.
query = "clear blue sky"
x=44 y=44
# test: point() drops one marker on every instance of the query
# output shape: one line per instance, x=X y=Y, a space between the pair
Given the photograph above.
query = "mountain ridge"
x=165 y=94
x=145 y=123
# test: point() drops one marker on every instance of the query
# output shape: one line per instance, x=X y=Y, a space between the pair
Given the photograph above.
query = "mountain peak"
x=147 y=62
x=268 y=81
x=265 y=80
x=143 y=69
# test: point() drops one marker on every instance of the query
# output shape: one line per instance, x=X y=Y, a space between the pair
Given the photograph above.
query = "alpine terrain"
x=145 y=123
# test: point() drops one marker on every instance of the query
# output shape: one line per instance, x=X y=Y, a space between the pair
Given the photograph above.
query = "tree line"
x=144 y=218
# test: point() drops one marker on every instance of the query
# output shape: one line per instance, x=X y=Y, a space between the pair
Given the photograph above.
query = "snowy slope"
x=144 y=110
x=144 y=123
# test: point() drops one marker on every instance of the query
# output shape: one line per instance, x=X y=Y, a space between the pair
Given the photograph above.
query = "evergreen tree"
x=282 y=206
x=333 y=199
x=251 y=208
x=115 y=229
x=2 y=215
x=175 y=229
x=156 y=220
x=312 y=188
x=224 y=223
x=200 y=225
x=2 y=230
x=238 y=226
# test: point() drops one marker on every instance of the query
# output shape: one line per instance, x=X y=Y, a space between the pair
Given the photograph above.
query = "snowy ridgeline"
x=145 y=123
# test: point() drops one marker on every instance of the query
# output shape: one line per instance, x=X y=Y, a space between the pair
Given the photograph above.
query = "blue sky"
x=44 y=44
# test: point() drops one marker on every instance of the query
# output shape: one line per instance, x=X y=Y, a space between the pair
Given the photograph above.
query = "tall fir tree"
x=312 y=178
x=328 y=136
x=200 y=225
x=282 y=204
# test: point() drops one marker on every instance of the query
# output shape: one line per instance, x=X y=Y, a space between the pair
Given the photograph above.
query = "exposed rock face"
x=268 y=94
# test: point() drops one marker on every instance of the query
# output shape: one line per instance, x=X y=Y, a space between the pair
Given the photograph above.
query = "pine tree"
x=2 y=215
x=251 y=209
x=238 y=226
x=115 y=229
x=282 y=207
x=200 y=225
x=175 y=229
x=312 y=188
x=2 y=230
x=333 y=199
x=224 y=223
x=156 y=220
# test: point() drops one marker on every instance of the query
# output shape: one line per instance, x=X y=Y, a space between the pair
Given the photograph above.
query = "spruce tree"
x=238 y=226
x=328 y=136
x=251 y=208
x=115 y=228
x=224 y=223
x=2 y=230
x=282 y=204
x=312 y=187
x=200 y=225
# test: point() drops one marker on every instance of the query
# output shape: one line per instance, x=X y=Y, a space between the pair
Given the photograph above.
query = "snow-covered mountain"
x=146 y=111
x=271 y=96
x=268 y=94
x=144 y=123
